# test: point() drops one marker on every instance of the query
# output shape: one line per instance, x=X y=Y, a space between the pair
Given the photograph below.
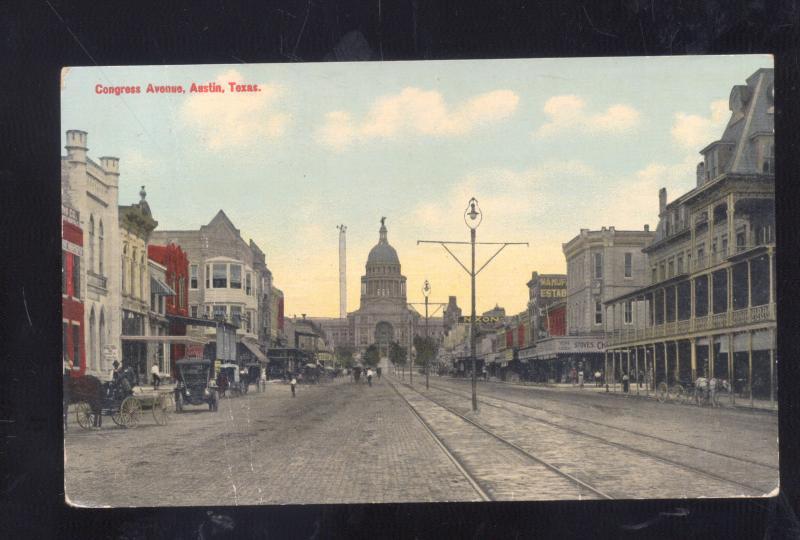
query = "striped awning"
x=253 y=348
x=160 y=288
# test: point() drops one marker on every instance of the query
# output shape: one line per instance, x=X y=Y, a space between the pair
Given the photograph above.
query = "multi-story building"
x=709 y=307
x=276 y=318
x=135 y=225
x=176 y=266
x=600 y=265
x=92 y=190
x=73 y=349
x=224 y=282
x=158 y=350
x=543 y=291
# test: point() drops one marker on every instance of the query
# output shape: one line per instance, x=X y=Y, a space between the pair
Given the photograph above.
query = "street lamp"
x=472 y=217
x=426 y=291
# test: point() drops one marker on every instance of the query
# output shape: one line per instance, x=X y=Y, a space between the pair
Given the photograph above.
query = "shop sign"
x=570 y=346
x=482 y=319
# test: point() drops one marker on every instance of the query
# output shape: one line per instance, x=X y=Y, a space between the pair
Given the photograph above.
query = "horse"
x=90 y=389
x=707 y=389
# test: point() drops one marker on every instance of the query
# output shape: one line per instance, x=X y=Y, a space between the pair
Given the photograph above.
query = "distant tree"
x=344 y=355
x=397 y=354
x=427 y=349
x=372 y=356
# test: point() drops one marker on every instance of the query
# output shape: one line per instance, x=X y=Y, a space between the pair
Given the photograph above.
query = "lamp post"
x=472 y=217
x=426 y=291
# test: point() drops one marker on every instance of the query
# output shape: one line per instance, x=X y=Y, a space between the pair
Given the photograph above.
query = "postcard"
x=382 y=282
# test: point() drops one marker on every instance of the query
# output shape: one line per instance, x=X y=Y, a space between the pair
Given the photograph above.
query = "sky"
x=546 y=146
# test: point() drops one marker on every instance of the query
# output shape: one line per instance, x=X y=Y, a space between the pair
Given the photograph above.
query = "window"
x=725 y=245
x=680 y=263
x=719 y=294
x=76 y=346
x=64 y=258
x=193 y=276
x=100 y=250
x=236 y=276
x=701 y=296
x=236 y=314
x=124 y=269
x=64 y=349
x=220 y=311
x=76 y=276
x=91 y=244
x=669 y=293
x=628 y=264
x=193 y=311
x=628 y=312
x=598 y=313
x=208 y=276
x=653 y=271
x=661 y=270
x=248 y=289
x=220 y=276
x=142 y=273
x=207 y=310
x=598 y=265
x=701 y=254
x=671 y=270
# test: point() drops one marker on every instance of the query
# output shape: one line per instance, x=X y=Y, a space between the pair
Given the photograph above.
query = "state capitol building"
x=384 y=314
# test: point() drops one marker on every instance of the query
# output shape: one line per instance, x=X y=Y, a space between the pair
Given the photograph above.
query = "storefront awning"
x=253 y=348
x=189 y=340
x=160 y=288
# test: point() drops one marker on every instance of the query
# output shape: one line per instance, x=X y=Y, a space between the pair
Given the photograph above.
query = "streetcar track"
x=633 y=432
x=473 y=481
x=756 y=490
x=504 y=441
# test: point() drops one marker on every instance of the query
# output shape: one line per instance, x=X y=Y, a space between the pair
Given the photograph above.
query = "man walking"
x=156 y=377
x=369 y=376
x=293 y=384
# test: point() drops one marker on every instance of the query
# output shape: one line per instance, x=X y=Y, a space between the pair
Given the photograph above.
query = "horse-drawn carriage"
x=702 y=391
x=94 y=399
x=195 y=385
x=231 y=381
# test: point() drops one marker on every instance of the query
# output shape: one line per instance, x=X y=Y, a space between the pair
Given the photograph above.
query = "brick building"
x=72 y=314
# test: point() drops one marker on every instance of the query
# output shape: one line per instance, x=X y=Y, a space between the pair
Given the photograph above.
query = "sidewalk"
x=760 y=405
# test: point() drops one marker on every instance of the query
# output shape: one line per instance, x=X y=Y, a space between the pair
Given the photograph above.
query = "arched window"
x=91 y=244
x=142 y=273
x=100 y=249
x=92 y=354
x=101 y=334
x=134 y=277
x=124 y=269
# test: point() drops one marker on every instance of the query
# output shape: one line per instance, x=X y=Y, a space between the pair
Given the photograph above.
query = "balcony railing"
x=97 y=281
x=729 y=319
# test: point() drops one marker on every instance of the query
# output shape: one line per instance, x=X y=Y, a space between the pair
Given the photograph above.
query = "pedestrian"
x=485 y=374
x=378 y=370
x=580 y=378
x=293 y=384
x=597 y=376
x=369 y=376
x=156 y=377
x=625 y=382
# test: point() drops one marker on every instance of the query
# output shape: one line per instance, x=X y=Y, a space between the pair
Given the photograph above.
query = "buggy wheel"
x=161 y=409
x=662 y=393
x=678 y=394
x=130 y=412
x=85 y=416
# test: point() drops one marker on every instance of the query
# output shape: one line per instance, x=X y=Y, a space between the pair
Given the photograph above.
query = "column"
x=628 y=357
x=605 y=368
x=653 y=370
x=614 y=368
x=710 y=235
x=677 y=361
x=710 y=373
x=771 y=284
x=750 y=365
x=731 y=375
x=729 y=285
x=692 y=296
x=693 y=357
x=731 y=224
x=666 y=364
x=636 y=365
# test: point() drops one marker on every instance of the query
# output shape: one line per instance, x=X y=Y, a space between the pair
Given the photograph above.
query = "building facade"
x=600 y=265
x=224 y=280
x=91 y=189
x=72 y=313
x=176 y=272
x=135 y=224
x=708 y=309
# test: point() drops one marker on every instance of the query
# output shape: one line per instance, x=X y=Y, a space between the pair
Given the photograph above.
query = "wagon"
x=117 y=400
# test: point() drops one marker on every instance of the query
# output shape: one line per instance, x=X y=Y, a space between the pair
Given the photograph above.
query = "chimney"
x=76 y=145
x=701 y=173
x=662 y=200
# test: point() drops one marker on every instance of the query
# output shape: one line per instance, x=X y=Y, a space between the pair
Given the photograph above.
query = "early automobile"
x=232 y=380
x=195 y=385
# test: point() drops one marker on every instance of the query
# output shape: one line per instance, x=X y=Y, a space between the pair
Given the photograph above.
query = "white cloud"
x=225 y=120
x=416 y=111
x=695 y=132
x=568 y=113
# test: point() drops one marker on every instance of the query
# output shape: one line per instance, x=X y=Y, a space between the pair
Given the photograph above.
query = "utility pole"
x=472 y=217
x=426 y=291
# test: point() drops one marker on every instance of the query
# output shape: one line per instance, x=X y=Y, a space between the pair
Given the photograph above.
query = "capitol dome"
x=382 y=252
